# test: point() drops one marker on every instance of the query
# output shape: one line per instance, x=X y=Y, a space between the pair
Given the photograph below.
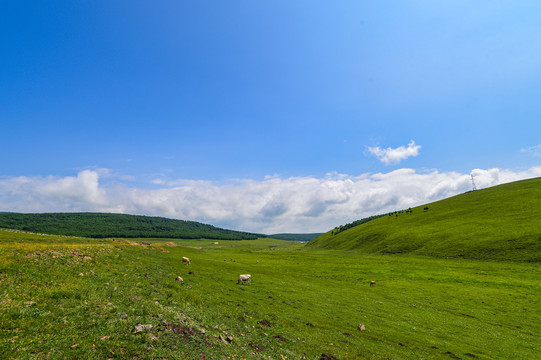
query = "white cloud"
x=535 y=150
x=394 y=156
x=272 y=205
x=52 y=193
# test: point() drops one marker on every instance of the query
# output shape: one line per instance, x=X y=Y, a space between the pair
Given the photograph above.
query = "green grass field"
x=498 y=223
x=75 y=298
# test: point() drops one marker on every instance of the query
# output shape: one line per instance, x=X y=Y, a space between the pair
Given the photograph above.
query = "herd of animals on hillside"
x=345 y=227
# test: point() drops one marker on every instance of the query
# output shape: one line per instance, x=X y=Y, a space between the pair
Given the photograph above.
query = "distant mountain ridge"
x=498 y=223
x=104 y=225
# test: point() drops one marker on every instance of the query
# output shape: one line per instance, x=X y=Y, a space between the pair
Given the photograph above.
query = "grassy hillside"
x=500 y=223
x=75 y=298
x=100 y=225
x=295 y=237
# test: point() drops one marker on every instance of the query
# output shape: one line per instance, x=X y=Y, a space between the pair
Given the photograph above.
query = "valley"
x=62 y=298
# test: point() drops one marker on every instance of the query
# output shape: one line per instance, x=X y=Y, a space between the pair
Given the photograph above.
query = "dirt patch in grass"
x=327 y=356
x=70 y=255
x=179 y=329
x=257 y=347
x=265 y=323
x=126 y=241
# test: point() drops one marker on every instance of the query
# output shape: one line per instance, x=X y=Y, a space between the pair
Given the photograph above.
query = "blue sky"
x=264 y=116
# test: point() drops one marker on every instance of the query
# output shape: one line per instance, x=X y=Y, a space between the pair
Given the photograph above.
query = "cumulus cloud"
x=52 y=193
x=271 y=205
x=394 y=156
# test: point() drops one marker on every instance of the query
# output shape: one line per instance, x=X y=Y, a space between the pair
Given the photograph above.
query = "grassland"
x=498 y=223
x=76 y=298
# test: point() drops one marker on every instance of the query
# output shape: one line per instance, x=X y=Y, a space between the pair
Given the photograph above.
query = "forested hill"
x=101 y=225
x=498 y=223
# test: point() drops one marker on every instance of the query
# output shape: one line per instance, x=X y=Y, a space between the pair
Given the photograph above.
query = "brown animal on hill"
x=372 y=283
x=186 y=260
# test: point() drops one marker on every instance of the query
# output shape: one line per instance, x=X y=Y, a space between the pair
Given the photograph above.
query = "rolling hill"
x=295 y=237
x=498 y=223
x=101 y=225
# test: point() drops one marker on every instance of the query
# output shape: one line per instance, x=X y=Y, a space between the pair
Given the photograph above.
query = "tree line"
x=102 y=225
x=345 y=227
x=396 y=213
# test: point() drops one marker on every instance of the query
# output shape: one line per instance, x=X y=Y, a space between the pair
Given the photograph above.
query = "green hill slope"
x=100 y=225
x=295 y=237
x=500 y=223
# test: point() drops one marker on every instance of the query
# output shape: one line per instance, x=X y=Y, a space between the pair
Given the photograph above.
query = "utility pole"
x=473 y=183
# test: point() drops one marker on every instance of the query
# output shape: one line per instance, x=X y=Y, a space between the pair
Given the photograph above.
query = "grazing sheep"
x=243 y=278
x=186 y=260
x=372 y=283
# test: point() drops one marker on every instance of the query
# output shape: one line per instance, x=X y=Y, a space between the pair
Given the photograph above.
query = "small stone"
x=123 y=315
x=140 y=328
x=74 y=346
